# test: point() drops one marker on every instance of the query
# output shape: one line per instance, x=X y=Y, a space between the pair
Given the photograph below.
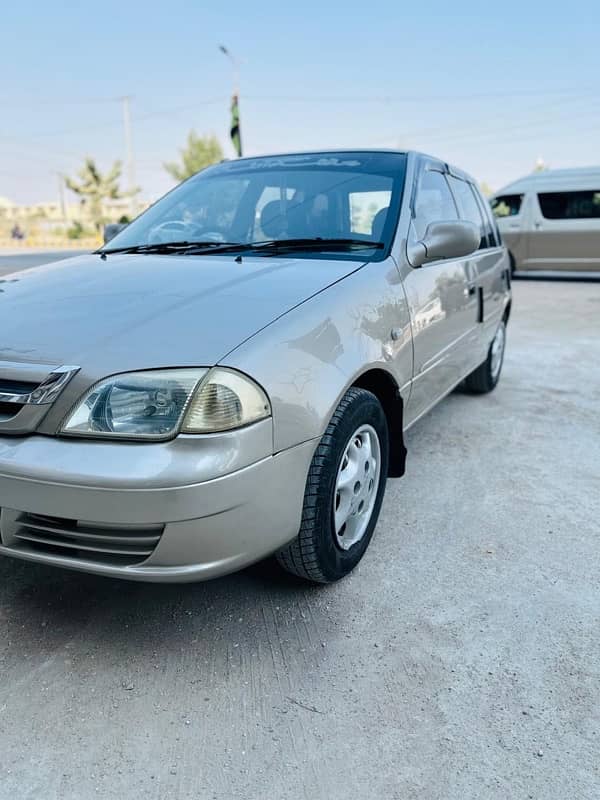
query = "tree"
x=199 y=152
x=94 y=188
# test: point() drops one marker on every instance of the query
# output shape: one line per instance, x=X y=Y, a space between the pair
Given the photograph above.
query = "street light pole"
x=235 y=64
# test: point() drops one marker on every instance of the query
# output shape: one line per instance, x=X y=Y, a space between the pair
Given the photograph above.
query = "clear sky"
x=488 y=86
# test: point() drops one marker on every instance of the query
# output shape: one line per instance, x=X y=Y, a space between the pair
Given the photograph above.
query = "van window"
x=434 y=202
x=507 y=205
x=468 y=206
x=570 y=205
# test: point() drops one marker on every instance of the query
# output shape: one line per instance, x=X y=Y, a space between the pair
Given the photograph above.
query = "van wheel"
x=344 y=492
x=486 y=376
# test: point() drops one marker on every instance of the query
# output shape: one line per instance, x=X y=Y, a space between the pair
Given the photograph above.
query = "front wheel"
x=486 y=376
x=344 y=492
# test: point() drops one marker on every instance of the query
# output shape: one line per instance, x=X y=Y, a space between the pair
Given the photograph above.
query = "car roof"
x=548 y=180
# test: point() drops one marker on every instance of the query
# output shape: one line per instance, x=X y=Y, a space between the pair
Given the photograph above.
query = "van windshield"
x=346 y=203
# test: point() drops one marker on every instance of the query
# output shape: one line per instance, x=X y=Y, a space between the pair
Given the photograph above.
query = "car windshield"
x=316 y=204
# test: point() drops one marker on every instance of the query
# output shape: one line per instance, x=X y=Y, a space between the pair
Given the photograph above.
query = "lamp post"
x=235 y=132
x=235 y=64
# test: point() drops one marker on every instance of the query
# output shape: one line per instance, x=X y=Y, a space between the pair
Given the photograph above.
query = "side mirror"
x=445 y=240
x=111 y=230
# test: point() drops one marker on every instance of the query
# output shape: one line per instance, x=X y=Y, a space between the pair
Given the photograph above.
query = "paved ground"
x=15 y=260
x=460 y=662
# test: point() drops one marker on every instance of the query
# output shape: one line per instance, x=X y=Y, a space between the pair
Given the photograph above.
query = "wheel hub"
x=356 y=486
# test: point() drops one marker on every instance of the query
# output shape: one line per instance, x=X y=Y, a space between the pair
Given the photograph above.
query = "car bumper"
x=186 y=510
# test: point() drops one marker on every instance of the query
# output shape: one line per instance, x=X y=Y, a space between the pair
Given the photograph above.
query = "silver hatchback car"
x=231 y=376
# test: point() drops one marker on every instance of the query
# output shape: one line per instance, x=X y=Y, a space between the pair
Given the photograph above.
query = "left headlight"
x=158 y=404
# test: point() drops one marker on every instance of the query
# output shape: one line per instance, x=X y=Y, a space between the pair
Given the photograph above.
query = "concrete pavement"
x=461 y=661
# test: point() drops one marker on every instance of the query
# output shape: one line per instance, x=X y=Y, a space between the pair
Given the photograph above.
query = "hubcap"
x=356 y=486
x=497 y=351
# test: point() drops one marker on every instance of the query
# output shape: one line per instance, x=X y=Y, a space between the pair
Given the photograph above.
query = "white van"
x=550 y=220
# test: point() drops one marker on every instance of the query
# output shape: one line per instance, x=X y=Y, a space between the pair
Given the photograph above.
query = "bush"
x=76 y=231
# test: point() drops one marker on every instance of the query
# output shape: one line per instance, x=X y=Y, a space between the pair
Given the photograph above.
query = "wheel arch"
x=386 y=390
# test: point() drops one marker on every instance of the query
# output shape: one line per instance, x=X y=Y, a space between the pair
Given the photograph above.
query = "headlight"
x=159 y=404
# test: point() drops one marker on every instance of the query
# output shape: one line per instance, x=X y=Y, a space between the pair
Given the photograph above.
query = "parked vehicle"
x=550 y=220
x=232 y=375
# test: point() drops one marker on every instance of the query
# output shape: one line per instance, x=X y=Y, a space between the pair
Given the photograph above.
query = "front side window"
x=507 y=205
x=469 y=207
x=433 y=202
x=310 y=198
x=570 y=205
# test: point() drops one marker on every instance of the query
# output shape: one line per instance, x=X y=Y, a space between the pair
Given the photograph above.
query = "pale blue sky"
x=488 y=86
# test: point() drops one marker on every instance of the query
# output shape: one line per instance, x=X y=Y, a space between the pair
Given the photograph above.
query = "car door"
x=511 y=211
x=566 y=230
x=441 y=298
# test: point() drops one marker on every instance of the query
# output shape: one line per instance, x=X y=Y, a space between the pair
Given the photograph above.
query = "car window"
x=570 y=205
x=368 y=211
x=489 y=221
x=469 y=207
x=507 y=205
x=433 y=202
x=315 y=196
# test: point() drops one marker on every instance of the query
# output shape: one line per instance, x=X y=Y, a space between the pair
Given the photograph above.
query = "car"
x=550 y=220
x=232 y=375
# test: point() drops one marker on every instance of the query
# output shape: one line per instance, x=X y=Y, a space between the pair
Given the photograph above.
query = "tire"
x=485 y=378
x=320 y=553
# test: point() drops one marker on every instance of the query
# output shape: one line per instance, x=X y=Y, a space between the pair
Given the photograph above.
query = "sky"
x=490 y=87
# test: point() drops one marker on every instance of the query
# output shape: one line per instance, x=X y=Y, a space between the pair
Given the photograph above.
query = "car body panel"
x=303 y=328
x=539 y=243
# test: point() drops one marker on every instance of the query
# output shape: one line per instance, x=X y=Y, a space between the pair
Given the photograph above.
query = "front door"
x=442 y=298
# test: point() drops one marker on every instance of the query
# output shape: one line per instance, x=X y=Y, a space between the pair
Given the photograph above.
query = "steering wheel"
x=178 y=229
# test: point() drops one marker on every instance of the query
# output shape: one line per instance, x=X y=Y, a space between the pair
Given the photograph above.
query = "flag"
x=236 y=136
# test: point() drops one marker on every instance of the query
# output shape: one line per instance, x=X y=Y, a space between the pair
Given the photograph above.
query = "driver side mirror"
x=111 y=230
x=451 y=239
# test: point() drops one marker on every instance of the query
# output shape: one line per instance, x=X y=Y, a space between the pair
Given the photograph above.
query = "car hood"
x=132 y=312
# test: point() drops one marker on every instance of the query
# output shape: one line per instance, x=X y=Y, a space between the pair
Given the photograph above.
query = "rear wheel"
x=486 y=376
x=344 y=492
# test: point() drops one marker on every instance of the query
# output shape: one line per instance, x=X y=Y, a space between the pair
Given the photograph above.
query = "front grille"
x=9 y=410
x=17 y=387
x=106 y=544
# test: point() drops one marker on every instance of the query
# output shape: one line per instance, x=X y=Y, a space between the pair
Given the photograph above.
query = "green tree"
x=199 y=152
x=93 y=187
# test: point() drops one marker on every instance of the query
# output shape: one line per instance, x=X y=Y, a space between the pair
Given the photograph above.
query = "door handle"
x=538 y=225
x=472 y=289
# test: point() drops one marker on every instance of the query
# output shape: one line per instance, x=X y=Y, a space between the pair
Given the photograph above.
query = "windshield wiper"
x=165 y=247
x=274 y=246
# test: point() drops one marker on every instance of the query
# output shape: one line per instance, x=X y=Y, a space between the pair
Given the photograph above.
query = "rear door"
x=566 y=230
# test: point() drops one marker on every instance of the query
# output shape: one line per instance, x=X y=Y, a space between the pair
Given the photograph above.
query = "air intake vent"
x=122 y=546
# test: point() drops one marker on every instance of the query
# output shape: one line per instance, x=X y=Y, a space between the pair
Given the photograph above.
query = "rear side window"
x=433 y=203
x=570 y=205
x=507 y=205
x=469 y=207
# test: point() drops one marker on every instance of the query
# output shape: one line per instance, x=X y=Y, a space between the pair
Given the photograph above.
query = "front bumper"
x=191 y=509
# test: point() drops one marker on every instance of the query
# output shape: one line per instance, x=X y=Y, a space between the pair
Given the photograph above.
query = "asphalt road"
x=461 y=661
x=15 y=260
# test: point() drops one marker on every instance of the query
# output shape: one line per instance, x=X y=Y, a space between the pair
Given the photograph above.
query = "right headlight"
x=159 y=404
x=224 y=400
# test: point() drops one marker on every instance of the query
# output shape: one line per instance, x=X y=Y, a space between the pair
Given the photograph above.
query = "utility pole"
x=61 y=195
x=129 y=151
